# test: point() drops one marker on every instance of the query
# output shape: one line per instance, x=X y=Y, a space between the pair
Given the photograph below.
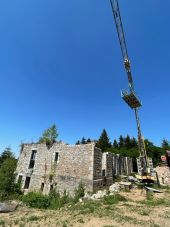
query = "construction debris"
x=152 y=190
x=114 y=188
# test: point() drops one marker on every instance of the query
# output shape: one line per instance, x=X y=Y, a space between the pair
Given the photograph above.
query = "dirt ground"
x=138 y=210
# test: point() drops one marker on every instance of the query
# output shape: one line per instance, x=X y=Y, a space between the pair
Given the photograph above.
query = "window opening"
x=56 y=157
x=42 y=187
x=32 y=160
x=103 y=173
x=27 y=182
x=51 y=187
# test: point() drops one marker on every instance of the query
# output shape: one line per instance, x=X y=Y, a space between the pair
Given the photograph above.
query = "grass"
x=144 y=212
x=156 y=202
x=33 y=218
x=154 y=225
x=80 y=220
x=114 y=199
x=2 y=222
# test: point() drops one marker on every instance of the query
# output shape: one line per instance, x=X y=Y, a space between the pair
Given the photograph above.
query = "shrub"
x=36 y=200
x=79 y=193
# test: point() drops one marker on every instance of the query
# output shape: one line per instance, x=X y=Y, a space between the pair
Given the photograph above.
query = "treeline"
x=128 y=146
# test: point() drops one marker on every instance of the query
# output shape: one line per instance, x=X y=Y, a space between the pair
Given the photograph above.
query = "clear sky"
x=60 y=62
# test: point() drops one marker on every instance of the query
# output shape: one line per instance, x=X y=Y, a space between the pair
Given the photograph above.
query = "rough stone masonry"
x=64 y=167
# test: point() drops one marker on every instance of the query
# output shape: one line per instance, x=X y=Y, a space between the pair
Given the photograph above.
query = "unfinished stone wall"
x=97 y=169
x=74 y=166
x=163 y=174
x=64 y=167
x=42 y=158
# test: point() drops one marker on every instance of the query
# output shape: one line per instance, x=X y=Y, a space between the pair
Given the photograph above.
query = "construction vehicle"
x=145 y=164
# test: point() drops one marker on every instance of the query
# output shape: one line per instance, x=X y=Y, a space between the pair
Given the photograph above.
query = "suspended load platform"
x=131 y=99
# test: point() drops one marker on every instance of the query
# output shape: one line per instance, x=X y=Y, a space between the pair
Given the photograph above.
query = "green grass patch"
x=113 y=199
x=157 y=202
x=33 y=218
x=2 y=223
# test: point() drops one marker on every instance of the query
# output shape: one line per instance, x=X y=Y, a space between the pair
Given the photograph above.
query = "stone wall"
x=64 y=167
x=163 y=173
x=97 y=174
x=74 y=166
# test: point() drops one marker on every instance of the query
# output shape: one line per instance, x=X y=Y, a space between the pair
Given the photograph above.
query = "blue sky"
x=60 y=62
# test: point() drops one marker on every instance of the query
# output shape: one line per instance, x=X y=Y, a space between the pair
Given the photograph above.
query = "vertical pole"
x=142 y=149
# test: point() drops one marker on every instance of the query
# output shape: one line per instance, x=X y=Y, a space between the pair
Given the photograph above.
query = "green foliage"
x=6 y=154
x=57 y=201
x=49 y=135
x=115 y=144
x=78 y=142
x=2 y=223
x=83 y=141
x=36 y=200
x=103 y=143
x=88 y=140
x=53 y=201
x=7 y=179
x=79 y=193
x=33 y=218
x=113 y=199
x=165 y=144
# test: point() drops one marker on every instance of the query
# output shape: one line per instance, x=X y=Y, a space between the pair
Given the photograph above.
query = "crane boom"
x=119 y=27
x=129 y=95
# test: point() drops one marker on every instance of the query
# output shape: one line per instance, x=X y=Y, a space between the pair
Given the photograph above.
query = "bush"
x=53 y=201
x=36 y=200
x=79 y=193
x=8 y=188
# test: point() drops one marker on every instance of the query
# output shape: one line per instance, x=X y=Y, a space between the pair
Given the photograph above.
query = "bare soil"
x=136 y=211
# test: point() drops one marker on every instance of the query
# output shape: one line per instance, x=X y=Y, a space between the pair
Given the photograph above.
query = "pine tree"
x=115 y=144
x=134 y=143
x=103 y=142
x=83 y=141
x=88 y=140
x=78 y=142
x=127 y=142
x=121 y=141
x=165 y=144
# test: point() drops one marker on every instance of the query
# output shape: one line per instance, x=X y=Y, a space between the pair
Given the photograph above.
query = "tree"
x=78 y=142
x=103 y=142
x=165 y=144
x=7 y=178
x=49 y=136
x=6 y=154
x=83 y=141
x=127 y=142
x=134 y=142
x=115 y=144
x=88 y=140
x=121 y=141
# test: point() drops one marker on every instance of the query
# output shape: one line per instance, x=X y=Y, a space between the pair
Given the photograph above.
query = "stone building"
x=64 y=167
